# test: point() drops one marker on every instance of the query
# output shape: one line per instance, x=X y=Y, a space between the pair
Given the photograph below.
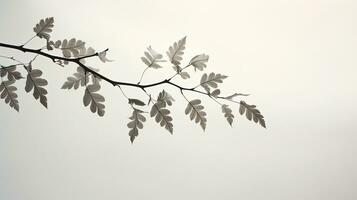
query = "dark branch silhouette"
x=74 y=51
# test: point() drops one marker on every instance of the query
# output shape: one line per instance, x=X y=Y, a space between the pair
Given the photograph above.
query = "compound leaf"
x=211 y=80
x=199 y=61
x=35 y=83
x=94 y=99
x=72 y=47
x=80 y=78
x=135 y=124
x=159 y=111
x=152 y=58
x=195 y=110
x=165 y=98
x=11 y=72
x=175 y=51
x=8 y=92
x=251 y=113
x=227 y=114
x=44 y=28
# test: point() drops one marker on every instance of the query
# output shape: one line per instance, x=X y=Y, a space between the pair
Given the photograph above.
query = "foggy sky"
x=295 y=58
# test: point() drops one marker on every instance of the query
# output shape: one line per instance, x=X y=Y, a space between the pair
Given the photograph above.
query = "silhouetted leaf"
x=72 y=47
x=135 y=124
x=94 y=99
x=251 y=113
x=199 y=61
x=80 y=78
x=152 y=58
x=103 y=57
x=35 y=83
x=228 y=114
x=175 y=52
x=211 y=80
x=136 y=102
x=44 y=27
x=184 y=75
x=165 y=98
x=230 y=97
x=159 y=111
x=195 y=110
x=162 y=116
x=49 y=45
x=215 y=93
x=8 y=92
x=11 y=73
x=85 y=52
x=57 y=44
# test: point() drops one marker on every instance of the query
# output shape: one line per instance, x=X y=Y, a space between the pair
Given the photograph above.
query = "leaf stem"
x=184 y=96
x=215 y=100
x=123 y=92
x=29 y=40
x=142 y=74
x=177 y=73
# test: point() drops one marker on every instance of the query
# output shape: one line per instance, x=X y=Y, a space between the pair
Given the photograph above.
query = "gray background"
x=297 y=58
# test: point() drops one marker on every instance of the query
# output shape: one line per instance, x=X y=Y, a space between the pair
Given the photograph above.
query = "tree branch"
x=98 y=75
x=74 y=51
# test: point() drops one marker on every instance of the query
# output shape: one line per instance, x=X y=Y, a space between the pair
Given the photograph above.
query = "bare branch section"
x=76 y=51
